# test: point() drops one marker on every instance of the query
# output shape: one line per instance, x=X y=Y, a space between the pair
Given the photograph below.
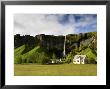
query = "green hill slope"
x=17 y=53
x=36 y=55
x=28 y=54
x=19 y=50
x=89 y=53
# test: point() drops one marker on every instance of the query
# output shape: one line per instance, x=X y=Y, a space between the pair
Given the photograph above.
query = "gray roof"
x=81 y=56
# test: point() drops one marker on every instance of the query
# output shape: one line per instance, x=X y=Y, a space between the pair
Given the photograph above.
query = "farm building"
x=79 y=59
x=56 y=61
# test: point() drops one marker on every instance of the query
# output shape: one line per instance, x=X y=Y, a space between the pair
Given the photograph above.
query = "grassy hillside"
x=17 y=53
x=42 y=47
x=19 y=50
x=36 y=55
x=26 y=55
x=89 y=53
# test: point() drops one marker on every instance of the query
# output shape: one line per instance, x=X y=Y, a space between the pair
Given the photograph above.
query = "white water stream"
x=64 y=51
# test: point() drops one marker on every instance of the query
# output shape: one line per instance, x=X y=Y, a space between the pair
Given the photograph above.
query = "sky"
x=54 y=24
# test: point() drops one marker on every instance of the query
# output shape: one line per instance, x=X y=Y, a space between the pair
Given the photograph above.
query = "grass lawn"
x=55 y=70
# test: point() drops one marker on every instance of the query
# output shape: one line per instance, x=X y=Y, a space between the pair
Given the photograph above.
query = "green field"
x=55 y=70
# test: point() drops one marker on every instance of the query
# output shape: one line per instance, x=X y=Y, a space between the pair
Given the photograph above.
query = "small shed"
x=79 y=59
x=56 y=61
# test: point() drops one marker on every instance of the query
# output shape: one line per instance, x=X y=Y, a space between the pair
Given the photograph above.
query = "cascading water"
x=64 y=53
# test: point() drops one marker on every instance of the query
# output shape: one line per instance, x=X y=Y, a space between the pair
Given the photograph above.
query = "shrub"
x=32 y=58
x=91 y=61
x=18 y=60
x=53 y=56
x=36 y=57
x=43 y=58
x=23 y=60
x=69 y=57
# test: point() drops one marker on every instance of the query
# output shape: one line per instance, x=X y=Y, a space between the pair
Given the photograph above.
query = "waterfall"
x=64 y=46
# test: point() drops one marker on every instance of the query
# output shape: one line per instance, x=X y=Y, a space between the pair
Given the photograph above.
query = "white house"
x=79 y=59
x=56 y=61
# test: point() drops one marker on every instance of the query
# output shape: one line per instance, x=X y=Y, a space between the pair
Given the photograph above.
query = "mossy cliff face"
x=55 y=44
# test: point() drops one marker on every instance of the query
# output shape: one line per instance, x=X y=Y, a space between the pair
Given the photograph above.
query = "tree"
x=69 y=57
x=53 y=56
x=43 y=58
x=18 y=60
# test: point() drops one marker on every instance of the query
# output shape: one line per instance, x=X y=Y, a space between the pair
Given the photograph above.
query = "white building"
x=79 y=59
x=56 y=61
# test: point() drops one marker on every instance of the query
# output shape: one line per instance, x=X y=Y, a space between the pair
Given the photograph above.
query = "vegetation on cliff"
x=44 y=48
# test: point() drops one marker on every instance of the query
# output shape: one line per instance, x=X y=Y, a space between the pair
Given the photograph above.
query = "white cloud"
x=40 y=24
x=33 y=24
x=86 y=20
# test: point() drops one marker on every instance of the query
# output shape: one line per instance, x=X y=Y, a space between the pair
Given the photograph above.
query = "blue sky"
x=54 y=24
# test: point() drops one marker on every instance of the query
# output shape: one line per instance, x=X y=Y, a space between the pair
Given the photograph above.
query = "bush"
x=53 y=56
x=32 y=58
x=24 y=60
x=36 y=57
x=43 y=58
x=91 y=61
x=18 y=60
x=69 y=58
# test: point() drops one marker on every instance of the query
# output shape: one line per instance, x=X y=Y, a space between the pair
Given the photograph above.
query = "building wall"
x=76 y=61
x=83 y=62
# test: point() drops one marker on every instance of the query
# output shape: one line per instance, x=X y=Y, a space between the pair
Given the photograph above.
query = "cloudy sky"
x=54 y=24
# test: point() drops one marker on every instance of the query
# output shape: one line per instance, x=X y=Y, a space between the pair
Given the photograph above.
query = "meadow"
x=55 y=70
